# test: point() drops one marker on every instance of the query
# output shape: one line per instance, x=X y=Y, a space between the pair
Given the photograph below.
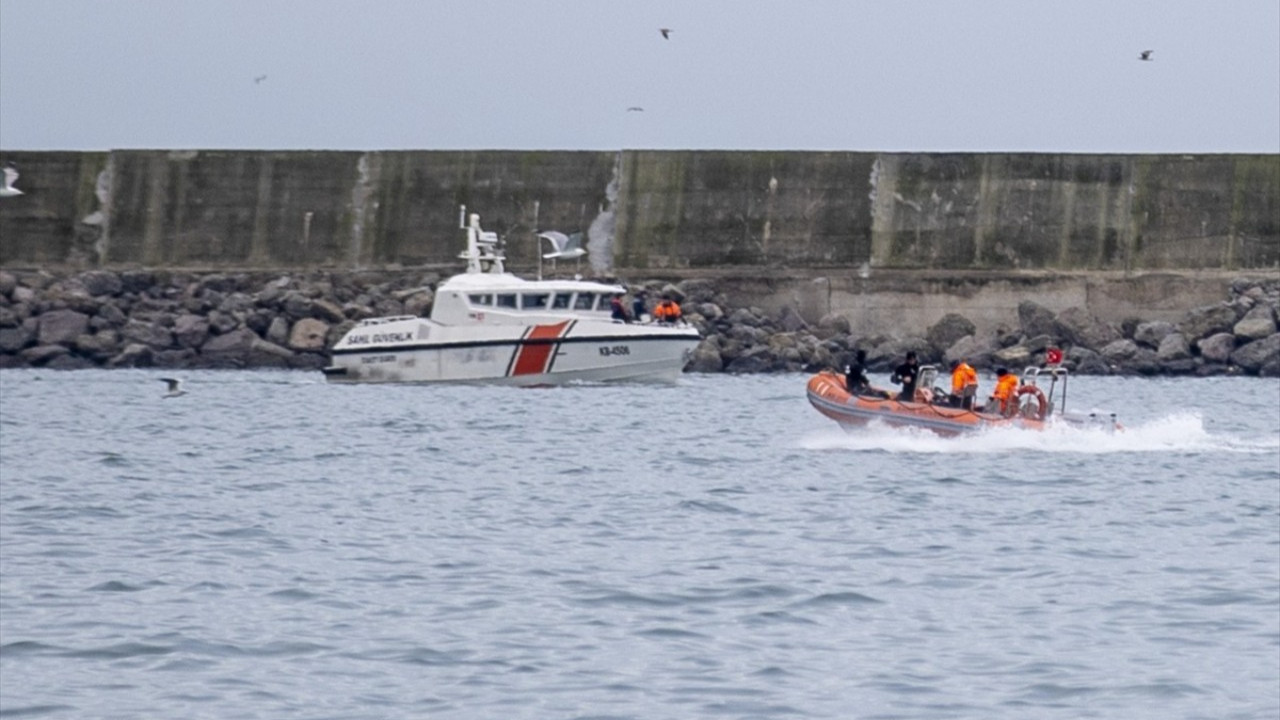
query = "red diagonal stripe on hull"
x=533 y=358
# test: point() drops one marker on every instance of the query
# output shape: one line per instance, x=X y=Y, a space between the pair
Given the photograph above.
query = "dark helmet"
x=955 y=364
x=911 y=355
x=861 y=356
x=1001 y=372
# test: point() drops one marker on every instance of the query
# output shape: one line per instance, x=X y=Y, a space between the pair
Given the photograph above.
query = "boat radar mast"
x=482 y=254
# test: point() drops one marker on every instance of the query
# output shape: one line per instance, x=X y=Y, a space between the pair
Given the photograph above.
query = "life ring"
x=1040 y=412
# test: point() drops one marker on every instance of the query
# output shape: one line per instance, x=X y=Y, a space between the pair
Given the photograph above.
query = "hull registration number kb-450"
x=609 y=350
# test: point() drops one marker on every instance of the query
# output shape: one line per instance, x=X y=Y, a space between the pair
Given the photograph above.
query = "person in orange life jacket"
x=964 y=384
x=1006 y=386
x=907 y=374
x=667 y=311
x=619 y=312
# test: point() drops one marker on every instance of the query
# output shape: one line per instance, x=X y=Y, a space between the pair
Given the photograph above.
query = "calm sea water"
x=271 y=546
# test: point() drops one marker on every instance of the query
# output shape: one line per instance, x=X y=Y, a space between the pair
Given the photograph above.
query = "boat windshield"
x=533 y=301
x=561 y=301
x=506 y=300
x=585 y=301
x=484 y=299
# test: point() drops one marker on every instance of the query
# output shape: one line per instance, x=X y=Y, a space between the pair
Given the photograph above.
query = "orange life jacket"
x=1005 y=387
x=962 y=376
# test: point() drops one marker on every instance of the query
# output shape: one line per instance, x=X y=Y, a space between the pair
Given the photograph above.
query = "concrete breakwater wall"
x=647 y=211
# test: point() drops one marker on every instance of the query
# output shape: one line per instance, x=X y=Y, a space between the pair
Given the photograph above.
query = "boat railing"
x=1032 y=374
x=368 y=322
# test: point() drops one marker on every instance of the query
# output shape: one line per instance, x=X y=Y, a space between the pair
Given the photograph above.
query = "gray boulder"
x=136 y=355
x=1083 y=361
x=41 y=354
x=100 y=346
x=1217 y=348
x=101 y=282
x=14 y=339
x=190 y=331
x=944 y=333
x=1207 y=320
x=7 y=283
x=1119 y=351
x=112 y=315
x=62 y=327
x=753 y=360
x=236 y=344
x=1173 y=347
x=790 y=321
x=833 y=324
x=327 y=311
x=1253 y=356
x=1152 y=333
x=1036 y=319
x=972 y=349
x=151 y=334
x=1081 y=328
x=1258 y=323
x=69 y=362
x=277 y=330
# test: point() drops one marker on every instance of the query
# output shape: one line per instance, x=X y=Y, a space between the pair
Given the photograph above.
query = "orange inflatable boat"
x=1031 y=407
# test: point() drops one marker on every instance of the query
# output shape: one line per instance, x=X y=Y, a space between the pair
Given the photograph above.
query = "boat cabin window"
x=585 y=301
x=533 y=301
x=561 y=301
x=505 y=300
x=485 y=299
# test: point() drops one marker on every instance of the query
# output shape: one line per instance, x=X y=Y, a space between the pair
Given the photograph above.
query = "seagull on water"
x=666 y=33
x=175 y=388
x=1146 y=55
x=10 y=177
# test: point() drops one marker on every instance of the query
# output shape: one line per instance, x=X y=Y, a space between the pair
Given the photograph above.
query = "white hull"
x=488 y=326
x=549 y=354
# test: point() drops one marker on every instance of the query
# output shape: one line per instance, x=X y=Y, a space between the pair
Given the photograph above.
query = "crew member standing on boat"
x=908 y=373
x=619 y=312
x=638 y=306
x=855 y=375
x=667 y=311
x=964 y=384
x=1006 y=386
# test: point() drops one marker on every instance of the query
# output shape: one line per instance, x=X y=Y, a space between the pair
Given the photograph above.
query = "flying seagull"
x=175 y=388
x=259 y=79
x=10 y=177
x=635 y=108
x=1146 y=55
x=666 y=33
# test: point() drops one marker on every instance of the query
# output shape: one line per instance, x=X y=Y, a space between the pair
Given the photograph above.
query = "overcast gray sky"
x=889 y=75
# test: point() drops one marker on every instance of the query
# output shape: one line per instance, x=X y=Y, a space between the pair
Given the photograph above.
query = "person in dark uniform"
x=638 y=303
x=855 y=374
x=907 y=374
x=619 y=312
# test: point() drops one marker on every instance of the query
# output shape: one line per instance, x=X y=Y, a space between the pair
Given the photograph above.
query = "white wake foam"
x=1175 y=433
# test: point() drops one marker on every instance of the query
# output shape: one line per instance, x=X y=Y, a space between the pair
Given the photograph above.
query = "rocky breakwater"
x=140 y=318
x=136 y=318
x=1237 y=336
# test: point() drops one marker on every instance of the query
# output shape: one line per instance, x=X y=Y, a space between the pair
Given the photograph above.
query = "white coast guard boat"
x=489 y=326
